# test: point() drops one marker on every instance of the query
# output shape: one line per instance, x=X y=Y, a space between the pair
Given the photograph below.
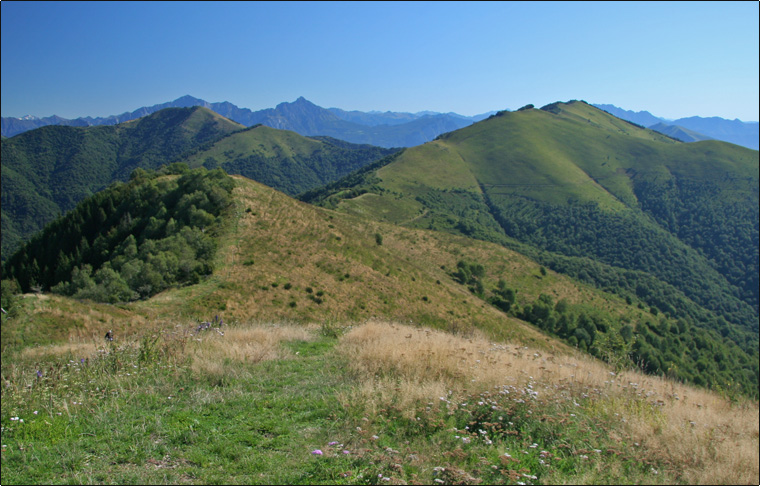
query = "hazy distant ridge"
x=386 y=129
x=746 y=134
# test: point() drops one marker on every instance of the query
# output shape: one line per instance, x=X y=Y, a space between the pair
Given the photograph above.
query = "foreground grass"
x=377 y=403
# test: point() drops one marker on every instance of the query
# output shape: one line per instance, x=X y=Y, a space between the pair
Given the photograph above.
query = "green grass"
x=136 y=415
x=139 y=413
x=127 y=417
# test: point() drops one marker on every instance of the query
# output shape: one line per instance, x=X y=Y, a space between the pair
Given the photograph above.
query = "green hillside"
x=592 y=196
x=46 y=172
x=285 y=160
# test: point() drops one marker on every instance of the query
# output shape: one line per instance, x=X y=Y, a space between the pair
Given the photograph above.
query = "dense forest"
x=131 y=240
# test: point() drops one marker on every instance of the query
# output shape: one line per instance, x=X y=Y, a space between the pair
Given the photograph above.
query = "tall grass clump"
x=214 y=354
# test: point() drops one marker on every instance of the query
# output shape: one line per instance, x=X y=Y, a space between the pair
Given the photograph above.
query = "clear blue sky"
x=102 y=58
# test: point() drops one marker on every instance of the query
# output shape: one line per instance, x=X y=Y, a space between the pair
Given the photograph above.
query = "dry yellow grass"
x=706 y=438
x=214 y=351
x=77 y=349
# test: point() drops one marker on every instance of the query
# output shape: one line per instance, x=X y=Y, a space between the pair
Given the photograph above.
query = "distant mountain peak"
x=188 y=98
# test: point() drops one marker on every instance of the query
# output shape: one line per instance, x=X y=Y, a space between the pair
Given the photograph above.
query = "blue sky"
x=674 y=59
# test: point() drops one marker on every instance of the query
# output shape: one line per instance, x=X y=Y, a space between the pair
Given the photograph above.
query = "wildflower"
x=346 y=452
x=35 y=412
x=316 y=452
x=333 y=443
x=39 y=374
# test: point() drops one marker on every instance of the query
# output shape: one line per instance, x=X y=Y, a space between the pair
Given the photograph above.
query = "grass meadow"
x=371 y=402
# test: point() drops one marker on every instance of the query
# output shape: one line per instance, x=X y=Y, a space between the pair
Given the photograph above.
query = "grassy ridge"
x=46 y=172
x=284 y=259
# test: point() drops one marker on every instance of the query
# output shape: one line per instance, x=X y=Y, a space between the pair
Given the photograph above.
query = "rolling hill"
x=592 y=196
x=666 y=226
x=679 y=132
x=45 y=172
x=284 y=159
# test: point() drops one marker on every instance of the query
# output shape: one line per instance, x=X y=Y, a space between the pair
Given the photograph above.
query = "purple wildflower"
x=316 y=452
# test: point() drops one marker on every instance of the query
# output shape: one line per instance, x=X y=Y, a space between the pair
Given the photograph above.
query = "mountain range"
x=391 y=129
x=384 y=129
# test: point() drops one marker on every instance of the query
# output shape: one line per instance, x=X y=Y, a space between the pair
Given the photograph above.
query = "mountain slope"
x=306 y=118
x=45 y=172
x=643 y=118
x=284 y=159
x=746 y=134
x=279 y=259
x=592 y=195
